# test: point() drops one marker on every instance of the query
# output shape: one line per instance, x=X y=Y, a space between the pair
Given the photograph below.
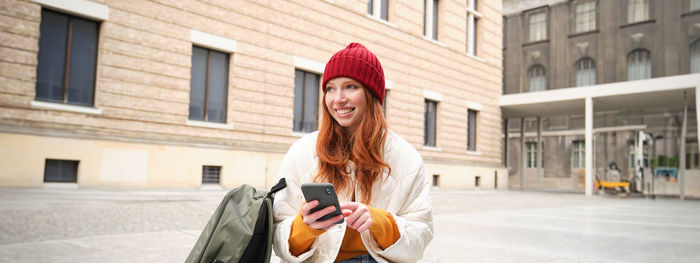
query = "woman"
x=379 y=177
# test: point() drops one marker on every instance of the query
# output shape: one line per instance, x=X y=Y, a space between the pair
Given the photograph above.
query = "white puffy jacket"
x=404 y=194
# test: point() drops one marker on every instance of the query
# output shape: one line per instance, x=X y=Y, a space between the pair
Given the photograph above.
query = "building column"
x=589 y=147
x=539 y=153
x=681 y=163
x=522 y=154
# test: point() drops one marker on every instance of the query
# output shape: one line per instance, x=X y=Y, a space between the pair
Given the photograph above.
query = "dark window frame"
x=637 y=57
x=384 y=9
x=430 y=117
x=534 y=71
x=694 y=46
x=207 y=84
x=574 y=16
x=531 y=154
x=51 y=166
x=434 y=23
x=211 y=174
x=580 y=67
x=472 y=121
x=66 y=83
x=300 y=125
x=648 y=9
x=474 y=35
x=530 y=13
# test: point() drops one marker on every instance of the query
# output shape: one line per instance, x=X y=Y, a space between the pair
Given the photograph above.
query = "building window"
x=208 y=85
x=538 y=26
x=637 y=10
x=579 y=154
x=531 y=155
x=638 y=65
x=695 y=57
x=473 y=17
x=61 y=171
x=211 y=174
x=471 y=130
x=67 y=59
x=430 y=18
x=379 y=9
x=306 y=89
x=430 y=123
x=694 y=5
x=538 y=78
x=436 y=180
x=585 y=72
x=585 y=16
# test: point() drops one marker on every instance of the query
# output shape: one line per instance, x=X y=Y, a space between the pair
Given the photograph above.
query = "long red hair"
x=365 y=147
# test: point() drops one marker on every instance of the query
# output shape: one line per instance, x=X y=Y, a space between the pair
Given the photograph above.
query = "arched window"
x=585 y=72
x=695 y=57
x=537 y=77
x=639 y=64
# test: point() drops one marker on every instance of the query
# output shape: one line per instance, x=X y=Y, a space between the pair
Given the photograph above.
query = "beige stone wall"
x=127 y=164
x=143 y=74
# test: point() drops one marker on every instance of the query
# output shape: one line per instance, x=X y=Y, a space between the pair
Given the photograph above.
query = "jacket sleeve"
x=288 y=202
x=414 y=221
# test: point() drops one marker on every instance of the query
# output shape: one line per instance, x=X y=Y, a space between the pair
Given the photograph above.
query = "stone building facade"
x=183 y=93
x=579 y=45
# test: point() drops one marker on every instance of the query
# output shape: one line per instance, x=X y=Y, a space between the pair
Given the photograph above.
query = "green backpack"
x=240 y=230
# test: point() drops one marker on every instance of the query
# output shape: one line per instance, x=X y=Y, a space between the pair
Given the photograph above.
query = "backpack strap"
x=279 y=186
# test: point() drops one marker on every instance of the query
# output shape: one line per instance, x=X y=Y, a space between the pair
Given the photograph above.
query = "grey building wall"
x=668 y=35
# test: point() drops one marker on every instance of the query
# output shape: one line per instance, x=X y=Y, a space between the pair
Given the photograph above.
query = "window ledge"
x=212 y=41
x=595 y=31
x=433 y=41
x=476 y=58
x=381 y=21
x=536 y=42
x=431 y=148
x=214 y=125
x=88 y=9
x=42 y=105
x=690 y=13
x=61 y=185
x=650 y=21
x=474 y=153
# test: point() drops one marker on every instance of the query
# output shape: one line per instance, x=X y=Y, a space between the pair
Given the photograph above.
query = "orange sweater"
x=383 y=229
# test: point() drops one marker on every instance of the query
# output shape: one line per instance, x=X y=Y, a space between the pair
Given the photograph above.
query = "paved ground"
x=98 y=225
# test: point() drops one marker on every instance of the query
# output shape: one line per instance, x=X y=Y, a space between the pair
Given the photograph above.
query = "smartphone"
x=325 y=194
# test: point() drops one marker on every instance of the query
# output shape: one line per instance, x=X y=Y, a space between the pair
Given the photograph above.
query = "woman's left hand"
x=356 y=215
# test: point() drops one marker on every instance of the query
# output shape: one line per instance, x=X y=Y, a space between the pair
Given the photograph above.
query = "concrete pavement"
x=125 y=225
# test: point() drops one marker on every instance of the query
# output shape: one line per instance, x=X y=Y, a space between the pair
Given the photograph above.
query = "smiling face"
x=345 y=100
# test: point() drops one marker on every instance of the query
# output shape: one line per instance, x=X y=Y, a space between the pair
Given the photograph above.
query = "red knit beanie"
x=358 y=63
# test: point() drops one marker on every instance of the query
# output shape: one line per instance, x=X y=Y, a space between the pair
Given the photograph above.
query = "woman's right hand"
x=311 y=218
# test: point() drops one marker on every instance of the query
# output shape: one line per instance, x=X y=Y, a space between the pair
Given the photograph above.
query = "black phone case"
x=325 y=198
